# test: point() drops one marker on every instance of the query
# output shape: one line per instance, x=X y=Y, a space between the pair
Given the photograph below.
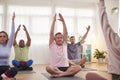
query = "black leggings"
x=3 y=69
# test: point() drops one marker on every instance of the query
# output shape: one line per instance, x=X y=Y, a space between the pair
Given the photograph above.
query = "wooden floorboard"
x=40 y=68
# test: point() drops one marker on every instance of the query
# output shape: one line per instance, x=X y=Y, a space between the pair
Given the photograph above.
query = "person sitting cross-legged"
x=6 y=72
x=21 y=52
x=59 y=62
x=73 y=50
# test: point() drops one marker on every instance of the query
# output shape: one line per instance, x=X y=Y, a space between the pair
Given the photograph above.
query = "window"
x=66 y=11
x=83 y=23
x=76 y=20
x=69 y=23
x=40 y=25
x=85 y=12
x=68 y=14
x=85 y=17
x=1 y=13
x=36 y=19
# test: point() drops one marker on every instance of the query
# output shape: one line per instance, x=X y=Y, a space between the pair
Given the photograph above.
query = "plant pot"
x=100 y=60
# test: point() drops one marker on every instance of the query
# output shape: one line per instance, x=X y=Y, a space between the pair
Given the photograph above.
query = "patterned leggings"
x=9 y=72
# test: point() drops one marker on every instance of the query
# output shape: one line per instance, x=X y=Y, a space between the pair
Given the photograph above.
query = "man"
x=21 y=51
x=73 y=49
x=59 y=63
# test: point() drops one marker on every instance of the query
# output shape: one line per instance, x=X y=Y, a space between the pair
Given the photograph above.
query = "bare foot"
x=57 y=75
x=53 y=76
x=82 y=66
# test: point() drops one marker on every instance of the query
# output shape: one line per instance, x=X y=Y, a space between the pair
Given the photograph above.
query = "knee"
x=89 y=76
x=31 y=61
x=94 y=76
x=15 y=63
x=48 y=68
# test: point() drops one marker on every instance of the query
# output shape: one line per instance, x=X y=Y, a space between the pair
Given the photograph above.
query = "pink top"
x=112 y=41
x=58 y=55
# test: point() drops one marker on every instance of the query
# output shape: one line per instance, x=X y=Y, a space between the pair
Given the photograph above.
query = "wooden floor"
x=100 y=69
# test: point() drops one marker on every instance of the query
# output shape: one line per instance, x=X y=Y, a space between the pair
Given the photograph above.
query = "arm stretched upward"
x=85 y=35
x=65 y=33
x=51 y=39
x=15 y=42
x=28 y=37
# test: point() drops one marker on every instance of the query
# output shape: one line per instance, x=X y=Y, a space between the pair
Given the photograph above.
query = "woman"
x=6 y=73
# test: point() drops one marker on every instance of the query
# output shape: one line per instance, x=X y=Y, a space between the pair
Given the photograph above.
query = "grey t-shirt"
x=73 y=51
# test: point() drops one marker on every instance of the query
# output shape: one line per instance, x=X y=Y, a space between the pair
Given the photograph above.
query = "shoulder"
x=78 y=43
x=16 y=45
x=65 y=44
x=68 y=44
x=26 y=46
x=52 y=44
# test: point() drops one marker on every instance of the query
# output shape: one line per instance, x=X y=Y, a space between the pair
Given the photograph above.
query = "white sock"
x=3 y=76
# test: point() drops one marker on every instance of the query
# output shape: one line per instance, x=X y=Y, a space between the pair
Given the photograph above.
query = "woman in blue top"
x=6 y=73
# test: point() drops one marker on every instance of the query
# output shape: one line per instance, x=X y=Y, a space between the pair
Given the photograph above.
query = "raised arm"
x=11 y=39
x=85 y=35
x=110 y=36
x=15 y=42
x=65 y=33
x=103 y=15
x=28 y=37
x=51 y=39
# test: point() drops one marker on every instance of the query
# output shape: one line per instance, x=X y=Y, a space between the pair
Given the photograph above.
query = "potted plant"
x=100 y=55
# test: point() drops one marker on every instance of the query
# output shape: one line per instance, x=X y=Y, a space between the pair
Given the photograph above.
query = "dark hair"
x=58 y=33
x=5 y=34
x=72 y=37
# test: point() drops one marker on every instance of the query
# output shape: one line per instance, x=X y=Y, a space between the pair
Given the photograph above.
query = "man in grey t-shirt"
x=73 y=49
